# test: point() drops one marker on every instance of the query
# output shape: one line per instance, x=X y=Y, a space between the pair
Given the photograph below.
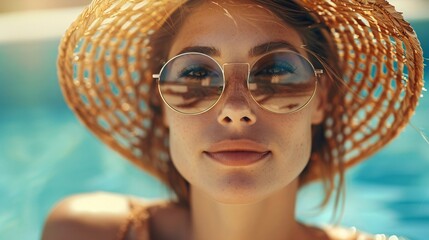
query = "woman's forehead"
x=232 y=27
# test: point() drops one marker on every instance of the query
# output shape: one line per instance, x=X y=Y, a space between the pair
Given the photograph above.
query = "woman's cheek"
x=183 y=149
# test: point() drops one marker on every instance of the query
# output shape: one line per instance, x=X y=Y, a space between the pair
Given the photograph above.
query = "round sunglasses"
x=280 y=81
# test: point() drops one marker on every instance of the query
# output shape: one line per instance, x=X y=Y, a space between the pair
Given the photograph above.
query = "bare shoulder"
x=87 y=216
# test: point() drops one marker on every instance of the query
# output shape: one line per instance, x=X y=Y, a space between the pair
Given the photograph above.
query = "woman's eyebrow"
x=211 y=51
x=270 y=46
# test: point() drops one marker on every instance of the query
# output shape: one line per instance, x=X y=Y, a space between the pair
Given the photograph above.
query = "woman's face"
x=238 y=152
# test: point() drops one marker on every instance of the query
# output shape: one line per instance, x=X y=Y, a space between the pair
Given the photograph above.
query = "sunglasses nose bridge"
x=236 y=76
x=236 y=84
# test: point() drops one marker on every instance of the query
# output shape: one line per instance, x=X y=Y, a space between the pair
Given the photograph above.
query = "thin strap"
x=136 y=223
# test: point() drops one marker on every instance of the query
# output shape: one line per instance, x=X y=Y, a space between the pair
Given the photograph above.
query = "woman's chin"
x=239 y=190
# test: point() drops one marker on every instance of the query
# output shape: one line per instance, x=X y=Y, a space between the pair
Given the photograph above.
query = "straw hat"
x=105 y=75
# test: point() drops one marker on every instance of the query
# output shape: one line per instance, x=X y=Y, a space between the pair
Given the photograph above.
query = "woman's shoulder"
x=351 y=233
x=98 y=215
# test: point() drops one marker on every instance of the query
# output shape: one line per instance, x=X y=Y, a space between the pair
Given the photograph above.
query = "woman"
x=234 y=105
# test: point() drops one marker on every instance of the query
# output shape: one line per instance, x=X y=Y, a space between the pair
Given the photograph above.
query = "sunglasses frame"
x=317 y=74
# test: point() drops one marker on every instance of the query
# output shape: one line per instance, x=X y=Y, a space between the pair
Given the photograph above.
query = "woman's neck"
x=271 y=218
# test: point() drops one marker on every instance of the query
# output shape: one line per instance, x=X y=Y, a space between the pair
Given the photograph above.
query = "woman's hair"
x=322 y=53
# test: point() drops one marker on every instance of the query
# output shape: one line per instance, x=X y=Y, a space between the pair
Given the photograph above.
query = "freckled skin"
x=288 y=136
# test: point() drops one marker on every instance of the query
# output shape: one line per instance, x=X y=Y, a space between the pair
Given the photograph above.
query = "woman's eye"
x=195 y=73
x=277 y=69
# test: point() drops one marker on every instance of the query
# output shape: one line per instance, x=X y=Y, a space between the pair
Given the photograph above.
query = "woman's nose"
x=236 y=113
x=235 y=105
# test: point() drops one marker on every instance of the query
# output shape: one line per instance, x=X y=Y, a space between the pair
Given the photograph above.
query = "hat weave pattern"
x=383 y=73
x=105 y=75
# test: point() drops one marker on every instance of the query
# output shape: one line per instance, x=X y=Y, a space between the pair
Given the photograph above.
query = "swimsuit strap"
x=136 y=224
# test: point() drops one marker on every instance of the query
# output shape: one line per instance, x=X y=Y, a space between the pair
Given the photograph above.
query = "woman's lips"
x=237 y=158
x=238 y=152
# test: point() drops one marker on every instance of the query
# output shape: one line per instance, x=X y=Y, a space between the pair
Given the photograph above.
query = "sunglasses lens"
x=282 y=82
x=191 y=83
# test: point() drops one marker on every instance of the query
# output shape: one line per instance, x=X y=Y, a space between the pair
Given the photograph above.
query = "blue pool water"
x=46 y=154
